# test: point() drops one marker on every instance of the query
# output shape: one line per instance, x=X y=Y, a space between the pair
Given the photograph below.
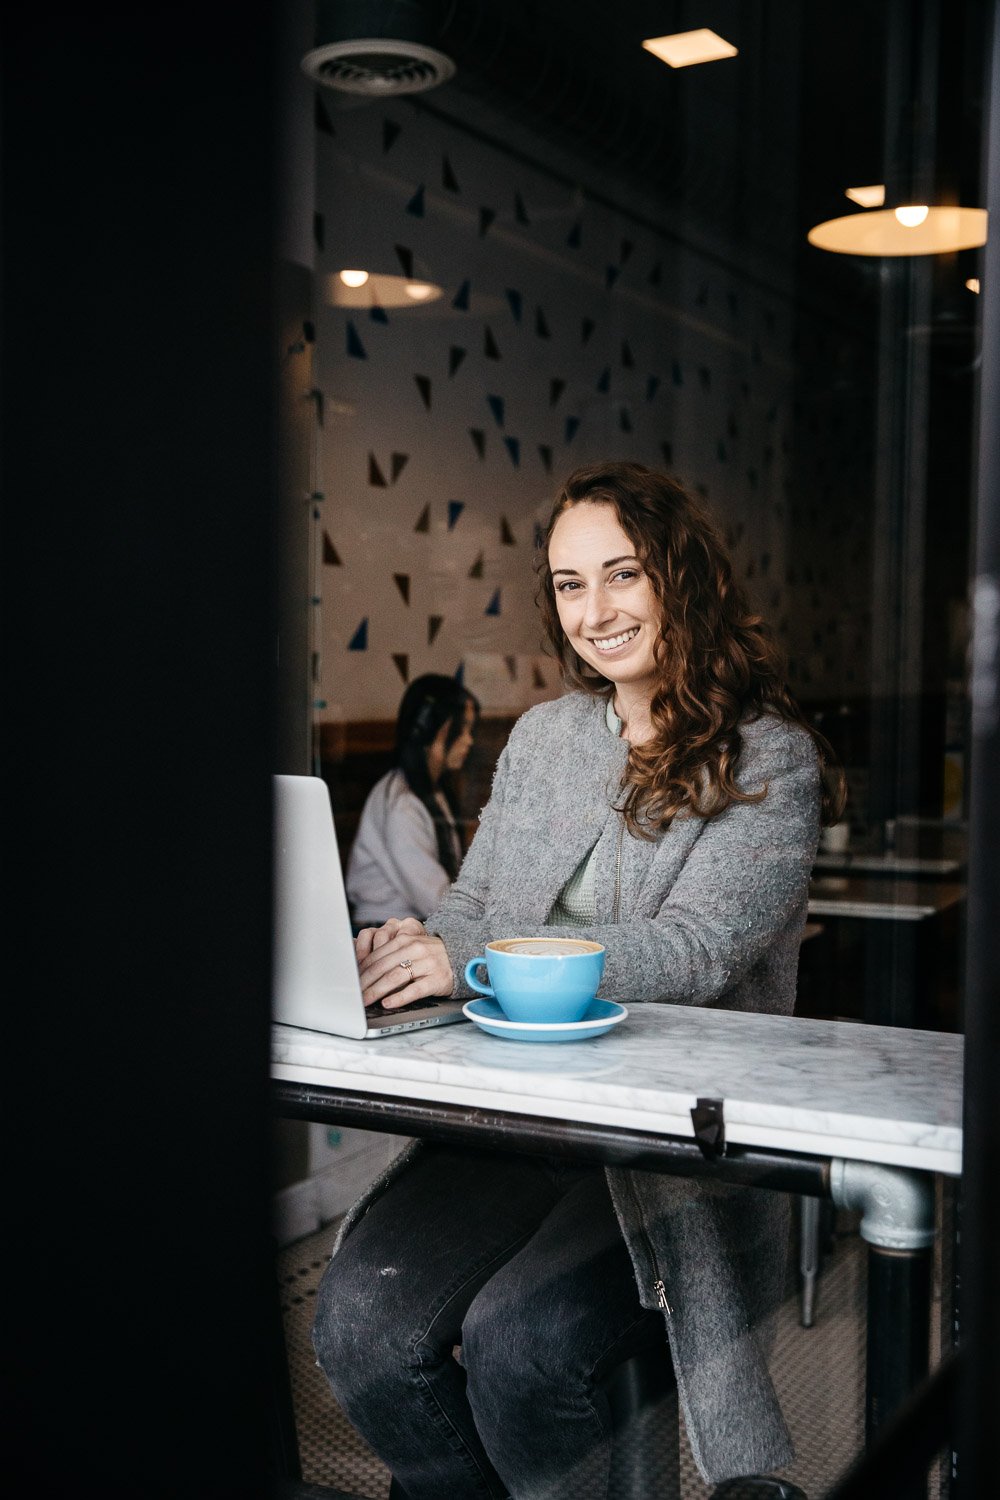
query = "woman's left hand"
x=402 y=962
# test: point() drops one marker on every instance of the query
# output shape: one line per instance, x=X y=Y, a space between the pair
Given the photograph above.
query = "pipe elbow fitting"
x=897 y=1204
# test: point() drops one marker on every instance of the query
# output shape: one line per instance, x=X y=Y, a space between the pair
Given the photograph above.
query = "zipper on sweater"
x=618 y=871
x=659 y=1290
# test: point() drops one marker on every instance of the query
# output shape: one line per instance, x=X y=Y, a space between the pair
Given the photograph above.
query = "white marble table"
x=818 y=1088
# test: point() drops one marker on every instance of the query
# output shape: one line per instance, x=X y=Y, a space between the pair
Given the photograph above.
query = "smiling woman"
x=667 y=807
x=640 y=604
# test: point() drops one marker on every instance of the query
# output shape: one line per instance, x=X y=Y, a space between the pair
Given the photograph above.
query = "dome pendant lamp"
x=917 y=211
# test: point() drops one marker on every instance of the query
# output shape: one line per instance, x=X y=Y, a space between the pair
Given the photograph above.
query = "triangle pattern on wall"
x=478 y=437
x=486 y=217
x=359 y=640
x=490 y=348
x=378 y=314
x=402 y=582
x=476 y=571
x=455 y=509
x=331 y=557
x=390 y=133
x=511 y=664
x=455 y=357
x=405 y=258
x=355 y=347
x=520 y=212
x=434 y=623
x=496 y=406
x=319 y=230
x=448 y=178
x=542 y=324
x=556 y=388
x=416 y=203
x=461 y=297
x=586 y=329
x=572 y=427
x=399 y=462
x=545 y=454
x=423 y=384
x=423 y=521
x=537 y=680
x=493 y=608
x=507 y=537
x=516 y=303
x=402 y=665
x=375 y=475
x=513 y=446
x=322 y=119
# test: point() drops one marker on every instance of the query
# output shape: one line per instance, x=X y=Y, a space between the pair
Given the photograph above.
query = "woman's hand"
x=400 y=962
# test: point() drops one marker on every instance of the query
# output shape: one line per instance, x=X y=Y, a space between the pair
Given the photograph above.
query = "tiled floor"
x=818 y=1372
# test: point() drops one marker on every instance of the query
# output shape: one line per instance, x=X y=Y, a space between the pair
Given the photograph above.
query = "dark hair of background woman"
x=429 y=702
x=718 y=661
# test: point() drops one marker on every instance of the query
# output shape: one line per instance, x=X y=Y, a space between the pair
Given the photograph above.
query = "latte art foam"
x=545 y=947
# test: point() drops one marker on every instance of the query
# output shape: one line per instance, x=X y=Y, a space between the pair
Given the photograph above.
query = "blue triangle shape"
x=359 y=640
x=513 y=446
x=496 y=406
x=460 y=674
x=355 y=347
x=455 y=509
x=652 y=386
x=378 y=314
x=604 y=380
x=493 y=608
x=416 y=203
x=461 y=298
x=516 y=303
x=572 y=423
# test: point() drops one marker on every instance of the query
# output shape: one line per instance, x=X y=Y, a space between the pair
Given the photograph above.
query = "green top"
x=574 y=905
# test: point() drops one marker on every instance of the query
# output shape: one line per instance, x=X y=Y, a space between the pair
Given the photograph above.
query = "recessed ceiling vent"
x=376 y=47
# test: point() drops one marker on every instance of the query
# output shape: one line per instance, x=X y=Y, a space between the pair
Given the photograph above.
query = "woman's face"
x=606 y=603
x=456 y=754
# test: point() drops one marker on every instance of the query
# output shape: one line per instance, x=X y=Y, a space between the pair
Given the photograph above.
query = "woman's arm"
x=745 y=879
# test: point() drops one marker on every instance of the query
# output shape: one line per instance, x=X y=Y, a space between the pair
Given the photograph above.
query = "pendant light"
x=919 y=210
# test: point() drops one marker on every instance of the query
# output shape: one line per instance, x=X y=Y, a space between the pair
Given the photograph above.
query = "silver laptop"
x=315 y=972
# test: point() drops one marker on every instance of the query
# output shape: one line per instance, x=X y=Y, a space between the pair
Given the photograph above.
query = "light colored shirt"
x=393 y=869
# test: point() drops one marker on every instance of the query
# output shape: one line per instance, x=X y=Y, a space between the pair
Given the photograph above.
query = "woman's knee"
x=506 y=1346
x=360 y=1324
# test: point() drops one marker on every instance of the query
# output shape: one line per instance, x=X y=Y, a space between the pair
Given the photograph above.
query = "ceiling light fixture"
x=684 y=48
x=867 y=197
x=379 y=290
x=910 y=229
x=379 y=48
x=917 y=208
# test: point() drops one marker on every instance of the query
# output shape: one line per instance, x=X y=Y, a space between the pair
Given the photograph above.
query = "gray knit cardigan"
x=709 y=913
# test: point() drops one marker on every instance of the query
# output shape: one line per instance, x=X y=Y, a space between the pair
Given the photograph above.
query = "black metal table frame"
x=899 y=1279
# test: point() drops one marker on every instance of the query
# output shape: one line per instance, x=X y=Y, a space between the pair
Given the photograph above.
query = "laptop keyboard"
x=378 y=1011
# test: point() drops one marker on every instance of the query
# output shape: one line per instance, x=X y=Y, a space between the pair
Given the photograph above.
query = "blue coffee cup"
x=537 y=980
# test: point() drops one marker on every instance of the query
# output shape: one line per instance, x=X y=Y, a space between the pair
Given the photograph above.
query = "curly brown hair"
x=721 y=667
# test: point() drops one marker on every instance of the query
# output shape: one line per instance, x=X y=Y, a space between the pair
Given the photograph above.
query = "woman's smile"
x=609 y=644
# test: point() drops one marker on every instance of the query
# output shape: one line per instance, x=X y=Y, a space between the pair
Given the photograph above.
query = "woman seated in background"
x=408 y=845
x=668 y=806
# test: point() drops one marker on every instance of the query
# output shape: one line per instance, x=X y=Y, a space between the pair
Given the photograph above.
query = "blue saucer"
x=600 y=1016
